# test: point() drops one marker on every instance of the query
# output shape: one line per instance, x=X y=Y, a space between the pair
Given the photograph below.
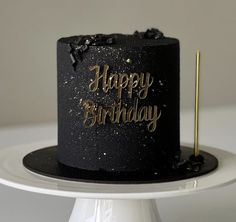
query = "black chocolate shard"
x=81 y=45
x=73 y=57
x=149 y=34
x=193 y=164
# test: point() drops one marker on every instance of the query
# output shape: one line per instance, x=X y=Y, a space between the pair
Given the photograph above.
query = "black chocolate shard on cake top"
x=149 y=34
x=80 y=44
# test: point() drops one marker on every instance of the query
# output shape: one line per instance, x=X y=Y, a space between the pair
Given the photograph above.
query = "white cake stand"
x=108 y=202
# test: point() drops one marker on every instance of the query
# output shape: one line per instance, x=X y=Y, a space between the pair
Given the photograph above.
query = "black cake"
x=118 y=103
x=118 y=113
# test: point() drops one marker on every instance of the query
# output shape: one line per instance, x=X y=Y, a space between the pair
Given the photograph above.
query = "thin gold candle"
x=196 y=113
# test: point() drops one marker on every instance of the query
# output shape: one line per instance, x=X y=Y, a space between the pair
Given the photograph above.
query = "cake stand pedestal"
x=111 y=202
x=98 y=210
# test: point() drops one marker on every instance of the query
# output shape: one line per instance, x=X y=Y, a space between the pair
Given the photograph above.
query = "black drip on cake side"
x=124 y=147
x=44 y=162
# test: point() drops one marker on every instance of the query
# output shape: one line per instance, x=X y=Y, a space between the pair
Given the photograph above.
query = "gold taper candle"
x=196 y=113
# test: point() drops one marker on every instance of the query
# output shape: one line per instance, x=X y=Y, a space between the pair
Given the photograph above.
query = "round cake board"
x=110 y=202
x=44 y=161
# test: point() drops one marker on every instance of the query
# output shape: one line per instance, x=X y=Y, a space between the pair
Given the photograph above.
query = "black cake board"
x=44 y=162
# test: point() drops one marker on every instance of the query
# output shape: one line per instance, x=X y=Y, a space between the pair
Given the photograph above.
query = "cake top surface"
x=151 y=37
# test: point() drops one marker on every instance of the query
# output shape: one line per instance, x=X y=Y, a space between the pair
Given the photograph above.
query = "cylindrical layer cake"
x=118 y=103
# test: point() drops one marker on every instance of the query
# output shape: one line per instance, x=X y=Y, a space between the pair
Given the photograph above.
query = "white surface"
x=14 y=174
x=92 y=210
x=217 y=130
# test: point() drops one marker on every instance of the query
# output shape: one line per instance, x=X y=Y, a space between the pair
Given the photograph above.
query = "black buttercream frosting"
x=119 y=146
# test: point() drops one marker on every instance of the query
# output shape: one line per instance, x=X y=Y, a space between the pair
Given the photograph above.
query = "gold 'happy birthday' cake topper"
x=117 y=112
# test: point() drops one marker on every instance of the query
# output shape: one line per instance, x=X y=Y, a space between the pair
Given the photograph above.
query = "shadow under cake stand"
x=97 y=202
